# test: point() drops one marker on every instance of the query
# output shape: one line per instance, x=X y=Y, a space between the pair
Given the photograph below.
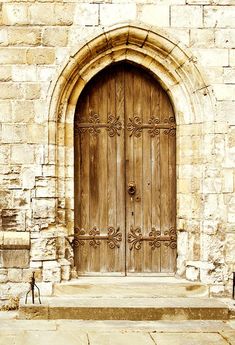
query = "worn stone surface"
x=113 y=332
x=192 y=339
x=123 y=308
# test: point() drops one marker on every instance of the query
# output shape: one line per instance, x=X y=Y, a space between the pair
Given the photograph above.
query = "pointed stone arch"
x=180 y=75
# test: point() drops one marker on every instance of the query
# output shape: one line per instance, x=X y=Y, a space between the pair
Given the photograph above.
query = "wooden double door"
x=125 y=180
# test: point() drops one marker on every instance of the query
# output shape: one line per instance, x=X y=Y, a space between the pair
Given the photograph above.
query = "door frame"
x=172 y=64
x=132 y=133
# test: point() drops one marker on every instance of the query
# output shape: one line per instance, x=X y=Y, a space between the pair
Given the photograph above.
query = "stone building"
x=54 y=56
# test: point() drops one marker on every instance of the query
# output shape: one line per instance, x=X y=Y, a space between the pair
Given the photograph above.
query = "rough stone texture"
x=37 y=40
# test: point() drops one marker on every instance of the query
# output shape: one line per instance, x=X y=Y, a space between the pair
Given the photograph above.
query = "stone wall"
x=37 y=40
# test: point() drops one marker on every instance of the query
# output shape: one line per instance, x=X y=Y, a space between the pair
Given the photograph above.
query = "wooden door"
x=125 y=194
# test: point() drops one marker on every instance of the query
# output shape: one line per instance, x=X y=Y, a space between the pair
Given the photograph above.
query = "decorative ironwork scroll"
x=135 y=126
x=113 y=237
x=155 y=238
x=113 y=126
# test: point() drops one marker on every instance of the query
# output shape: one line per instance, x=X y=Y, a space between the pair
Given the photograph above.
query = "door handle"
x=131 y=188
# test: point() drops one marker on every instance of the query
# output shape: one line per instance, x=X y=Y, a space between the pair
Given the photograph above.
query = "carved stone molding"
x=155 y=238
x=113 y=237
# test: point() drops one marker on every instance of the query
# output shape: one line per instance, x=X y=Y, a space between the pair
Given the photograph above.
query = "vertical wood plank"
x=94 y=219
x=129 y=144
x=156 y=176
x=102 y=209
x=146 y=200
x=165 y=201
x=120 y=253
x=137 y=96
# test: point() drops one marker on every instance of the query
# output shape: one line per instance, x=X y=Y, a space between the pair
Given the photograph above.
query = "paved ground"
x=71 y=332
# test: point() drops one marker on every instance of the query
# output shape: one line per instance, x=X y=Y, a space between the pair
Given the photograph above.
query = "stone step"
x=121 y=308
x=131 y=287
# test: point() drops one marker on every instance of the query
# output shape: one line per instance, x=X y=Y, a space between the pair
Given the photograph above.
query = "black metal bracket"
x=32 y=287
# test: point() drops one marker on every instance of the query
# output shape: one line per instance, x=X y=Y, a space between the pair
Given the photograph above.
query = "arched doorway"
x=125 y=175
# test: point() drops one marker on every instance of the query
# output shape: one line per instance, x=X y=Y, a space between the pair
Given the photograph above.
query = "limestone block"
x=16 y=289
x=28 y=273
x=45 y=187
x=37 y=133
x=18 y=258
x=43 y=249
x=212 y=57
x=229 y=75
x=86 y=14
x=64 y=13
x=198 y=2
x=219 y=16
x=65 y=269
x=232 y=57
x=224 y=92
x=5 y=198
x=41 y=13
x=35 y=264
x=11 y=90
x=15 y=275
x=46 y=288
x=3 y=37
x=3 y=274
x=28 y=176
x=158 y=15
x=13 y=133
x=201 y=264
x=51 y=271
x=212 y=247
x=5 y=73
x=16 y=239
x=21 y=198
x=24 y=73
x=225 y=38
x=15 y=14
x=23 y=36
x=32 y=91
x=22 y=154
x=40 y=154
x=4 y=154
x=45 y=73
x=13 y=220
x=186 y=16
x=55 y=37
x=230 y=248
x=49 y=170
x=23 y=111
x=181 y=34
x=5 y=111
x=12 y=56
x=192 y=273
x=210 y=226
x=231 y=210
x=44 y=208
x=212 y=185
x=215 y=74
x=202 y=38
x=40 y=56
x=228 y=183
x=111 y=13
x=231 y=138
x=210 y=2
